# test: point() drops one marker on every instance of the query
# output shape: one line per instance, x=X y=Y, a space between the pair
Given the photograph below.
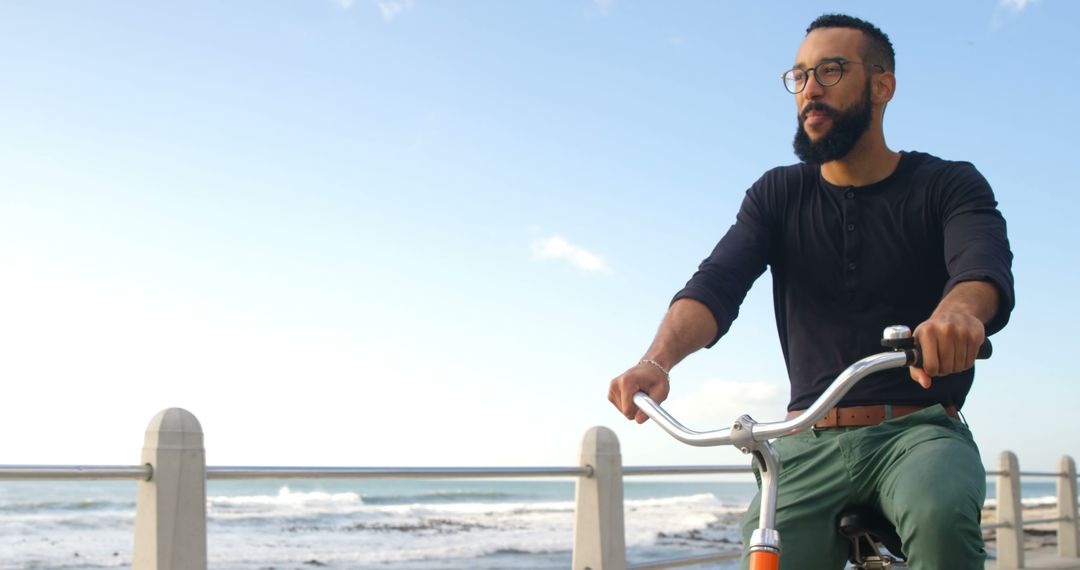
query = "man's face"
x=832 y=119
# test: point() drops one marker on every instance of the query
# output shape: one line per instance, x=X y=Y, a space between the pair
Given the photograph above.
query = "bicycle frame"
x=753 y=438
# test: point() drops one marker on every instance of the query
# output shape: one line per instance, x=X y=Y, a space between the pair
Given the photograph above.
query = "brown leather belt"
x=854 y=416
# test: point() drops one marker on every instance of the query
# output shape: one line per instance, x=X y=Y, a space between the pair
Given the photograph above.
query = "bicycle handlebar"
x=752 y=437
x=826 y=401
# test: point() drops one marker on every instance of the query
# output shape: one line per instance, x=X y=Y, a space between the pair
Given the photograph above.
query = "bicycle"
x=874 y=542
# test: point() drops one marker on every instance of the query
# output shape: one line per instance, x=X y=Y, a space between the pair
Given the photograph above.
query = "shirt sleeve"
x=976 y=241
x=723 y=279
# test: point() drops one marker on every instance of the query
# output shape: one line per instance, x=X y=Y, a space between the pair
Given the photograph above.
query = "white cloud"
x=1007 y=10
x=346 y=4
x=392 y=8
x=556 y=247
x=716 y=403
x=1015 y=5
x=604 y=6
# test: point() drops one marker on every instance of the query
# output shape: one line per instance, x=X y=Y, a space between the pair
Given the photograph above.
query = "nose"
x=813 y=90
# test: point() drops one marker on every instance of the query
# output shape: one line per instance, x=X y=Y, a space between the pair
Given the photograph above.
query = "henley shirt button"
x=849 y=195
x=851 y=266
x=851 y=227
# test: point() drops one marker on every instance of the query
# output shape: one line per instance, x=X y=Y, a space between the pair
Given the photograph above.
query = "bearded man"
x=858 y=237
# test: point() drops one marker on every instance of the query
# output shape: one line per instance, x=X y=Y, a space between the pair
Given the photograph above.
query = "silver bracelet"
x=657 y=365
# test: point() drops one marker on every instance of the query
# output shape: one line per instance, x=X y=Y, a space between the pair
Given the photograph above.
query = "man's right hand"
x=641 y=378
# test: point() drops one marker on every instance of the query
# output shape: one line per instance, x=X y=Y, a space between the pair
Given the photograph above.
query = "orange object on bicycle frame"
x=764 y=560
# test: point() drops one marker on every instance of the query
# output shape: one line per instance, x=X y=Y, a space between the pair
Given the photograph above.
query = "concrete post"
x=599 y=536
x=1010 y=538
x=170 y=508
x=1068 y=533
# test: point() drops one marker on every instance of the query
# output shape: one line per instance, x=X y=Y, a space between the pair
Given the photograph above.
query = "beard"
x=847 y=128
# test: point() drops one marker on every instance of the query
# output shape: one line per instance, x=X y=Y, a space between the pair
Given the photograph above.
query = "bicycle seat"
x=858 y=522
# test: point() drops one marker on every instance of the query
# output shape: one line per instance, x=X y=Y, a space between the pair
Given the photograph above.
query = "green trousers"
x=923 y=471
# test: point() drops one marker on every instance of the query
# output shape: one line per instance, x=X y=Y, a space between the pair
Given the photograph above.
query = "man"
x=858 y=237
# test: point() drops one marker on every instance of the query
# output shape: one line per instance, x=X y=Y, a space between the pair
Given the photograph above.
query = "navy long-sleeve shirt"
x=848 y=261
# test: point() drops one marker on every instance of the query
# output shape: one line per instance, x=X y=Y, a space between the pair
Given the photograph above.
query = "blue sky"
x=417 y=232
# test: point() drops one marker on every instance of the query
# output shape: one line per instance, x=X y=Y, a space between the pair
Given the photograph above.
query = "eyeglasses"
x=827 y=74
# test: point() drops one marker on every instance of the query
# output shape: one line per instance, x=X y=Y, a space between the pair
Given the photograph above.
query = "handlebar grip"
x=985 y=351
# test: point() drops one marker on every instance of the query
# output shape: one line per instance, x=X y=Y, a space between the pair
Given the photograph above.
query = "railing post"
x=1068 y=531
x=170 y=508
x=599 y=537
x=1010 y=538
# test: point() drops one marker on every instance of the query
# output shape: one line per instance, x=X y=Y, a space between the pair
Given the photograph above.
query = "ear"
x=883 y=88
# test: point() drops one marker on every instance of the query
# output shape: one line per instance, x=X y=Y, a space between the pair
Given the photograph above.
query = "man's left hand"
x=949 y=342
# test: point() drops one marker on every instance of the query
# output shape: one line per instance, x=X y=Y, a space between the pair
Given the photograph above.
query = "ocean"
x=378 y=524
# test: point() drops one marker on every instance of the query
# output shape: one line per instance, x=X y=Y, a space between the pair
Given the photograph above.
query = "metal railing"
x=170 y=512
x=83 y=472
x=145 y=472
x=1009 y=523
x=170 y=505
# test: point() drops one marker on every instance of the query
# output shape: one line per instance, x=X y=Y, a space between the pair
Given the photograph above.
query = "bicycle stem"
x=765 y=537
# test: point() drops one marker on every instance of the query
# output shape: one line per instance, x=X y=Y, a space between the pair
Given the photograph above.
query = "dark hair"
x=877 y=49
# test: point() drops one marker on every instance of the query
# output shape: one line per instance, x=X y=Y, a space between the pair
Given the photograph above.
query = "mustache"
x=817 y=106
